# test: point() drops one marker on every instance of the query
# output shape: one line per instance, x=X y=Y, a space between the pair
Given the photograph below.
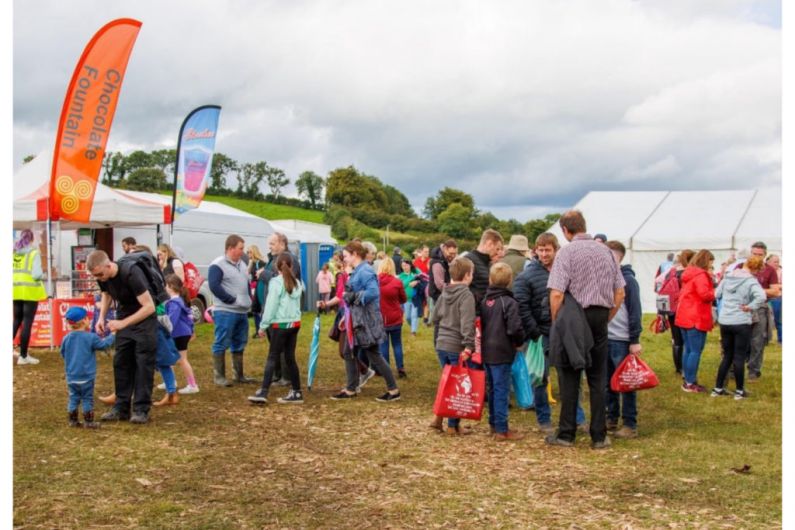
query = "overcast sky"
x=527 y=105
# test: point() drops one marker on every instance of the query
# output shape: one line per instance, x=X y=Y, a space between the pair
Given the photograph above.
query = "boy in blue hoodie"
x=80 y=362
x=623 y=338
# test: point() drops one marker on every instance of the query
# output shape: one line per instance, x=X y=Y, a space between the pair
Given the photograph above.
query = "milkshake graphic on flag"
x=195 y=157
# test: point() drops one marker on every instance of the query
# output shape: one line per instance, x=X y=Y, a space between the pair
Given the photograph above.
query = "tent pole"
x=50 y=294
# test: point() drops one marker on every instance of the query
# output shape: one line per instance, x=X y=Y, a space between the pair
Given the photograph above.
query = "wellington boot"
x=73 y=419
x=219 y=371
x=168 y=399
x=676 y=352
x=108 y=400
x=90 y=423
x=237 y=370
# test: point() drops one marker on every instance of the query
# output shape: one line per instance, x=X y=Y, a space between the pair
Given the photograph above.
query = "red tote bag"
x=461 y=392
x=633 y=374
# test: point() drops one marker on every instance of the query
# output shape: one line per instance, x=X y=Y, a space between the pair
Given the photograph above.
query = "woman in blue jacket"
x=364 y=324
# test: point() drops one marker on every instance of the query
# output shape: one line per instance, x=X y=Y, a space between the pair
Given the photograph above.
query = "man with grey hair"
x=277 y=244
x=136 y=335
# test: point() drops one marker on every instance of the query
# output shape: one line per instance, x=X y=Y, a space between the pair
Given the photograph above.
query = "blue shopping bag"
x=522 y=388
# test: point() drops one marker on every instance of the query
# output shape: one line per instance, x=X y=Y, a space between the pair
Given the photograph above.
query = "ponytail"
x=284 y=264
x=173 y=281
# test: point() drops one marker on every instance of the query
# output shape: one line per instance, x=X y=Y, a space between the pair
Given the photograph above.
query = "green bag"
x=534 y=357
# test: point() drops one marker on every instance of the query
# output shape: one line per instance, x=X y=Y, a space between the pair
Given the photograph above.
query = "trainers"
x=719 y=392
x=692 y=388
x=626 y=433
x=751 y=378
x=189 y=389
x=601 y=444
x=115 y=414
x=27 y=360
x=553 y=439
x=260 y=396
x=342 y=396
x=402 y=374
x=700 y=389
x=366 y=377
x=740 y=394
x=508 y=436
x=161 y=386
x=139 y=418
x=546 y=428
x=388 y=397
x=293 y=396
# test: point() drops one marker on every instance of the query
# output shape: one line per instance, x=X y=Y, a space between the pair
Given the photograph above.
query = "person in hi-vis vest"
x=28 y=291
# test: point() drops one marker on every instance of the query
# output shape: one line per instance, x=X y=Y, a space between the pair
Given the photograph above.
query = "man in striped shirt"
x=586 y=269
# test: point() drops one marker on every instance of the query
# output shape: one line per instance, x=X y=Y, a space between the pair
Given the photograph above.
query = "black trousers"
x=596 y=374
x=735 y=339
x=24 y=313
x=134 y=365
x=282 y=344
x=279 y=361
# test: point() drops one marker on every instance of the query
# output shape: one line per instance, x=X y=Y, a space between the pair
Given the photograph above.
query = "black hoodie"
x=502 y=331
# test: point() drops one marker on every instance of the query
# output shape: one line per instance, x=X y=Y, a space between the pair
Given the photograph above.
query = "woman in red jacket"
x=694 y=315
x=393 y=296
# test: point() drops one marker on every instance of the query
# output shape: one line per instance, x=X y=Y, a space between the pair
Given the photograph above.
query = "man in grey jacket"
x=228 y=279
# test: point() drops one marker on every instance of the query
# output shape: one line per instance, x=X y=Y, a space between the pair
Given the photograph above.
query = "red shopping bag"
x=461 y=392
x=477 y=356
x=633 y=374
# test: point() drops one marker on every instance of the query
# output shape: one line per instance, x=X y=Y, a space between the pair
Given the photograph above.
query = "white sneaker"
x=161 y=386
x=366 y=377
x=28 y=360
x=189 y=389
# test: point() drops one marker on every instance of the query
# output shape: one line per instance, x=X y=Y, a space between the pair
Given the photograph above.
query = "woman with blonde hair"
x=169 y=262
x=694 y=315
x=256 y=264
x=393 y=296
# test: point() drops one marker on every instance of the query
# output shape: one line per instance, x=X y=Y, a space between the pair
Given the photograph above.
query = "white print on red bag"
x=463 y=384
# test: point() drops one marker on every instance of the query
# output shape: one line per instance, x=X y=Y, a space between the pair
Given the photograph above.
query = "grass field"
x=214 y=461
x=270 y=211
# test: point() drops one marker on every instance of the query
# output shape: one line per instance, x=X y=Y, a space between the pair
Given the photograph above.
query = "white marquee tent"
x=654 y=223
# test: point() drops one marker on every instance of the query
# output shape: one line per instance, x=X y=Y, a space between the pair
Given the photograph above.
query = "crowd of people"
x=578 y=302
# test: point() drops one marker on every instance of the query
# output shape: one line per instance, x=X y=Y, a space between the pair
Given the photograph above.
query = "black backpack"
x=148 y=265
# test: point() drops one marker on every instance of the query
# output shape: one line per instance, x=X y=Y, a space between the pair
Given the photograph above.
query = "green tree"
x=456 y=220
x=146 y=179
x=276 y=179
x=310 y=185
x=397 y=203
x=249 y=179
x=434 y=206
x=536 y=227
x=138 y=160
x=164 y=159
x=349 y=188
x=220 y=170
x=114 y=168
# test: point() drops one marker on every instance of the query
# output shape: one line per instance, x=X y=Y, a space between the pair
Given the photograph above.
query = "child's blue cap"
x=75 y=314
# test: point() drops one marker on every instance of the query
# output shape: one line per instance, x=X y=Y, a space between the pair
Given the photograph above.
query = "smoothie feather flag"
x=195 y=150
x=86 y=118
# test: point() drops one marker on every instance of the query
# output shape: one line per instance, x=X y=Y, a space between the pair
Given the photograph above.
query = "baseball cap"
x=75 y=314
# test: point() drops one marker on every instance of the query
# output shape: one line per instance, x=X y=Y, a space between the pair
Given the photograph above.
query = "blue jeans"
x=775 y=304
x=448 y=357
x=410 y=311
x=694 y=345
x=393 y=334
x=540 y=398
x=231 y=331
x=499 y=387
x=81 y=392
x=167 y=373
x=624 y=403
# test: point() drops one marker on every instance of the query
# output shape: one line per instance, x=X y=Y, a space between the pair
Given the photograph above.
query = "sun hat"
x=518 y=242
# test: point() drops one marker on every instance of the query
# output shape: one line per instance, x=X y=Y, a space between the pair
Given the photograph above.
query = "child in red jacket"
x=393 y=296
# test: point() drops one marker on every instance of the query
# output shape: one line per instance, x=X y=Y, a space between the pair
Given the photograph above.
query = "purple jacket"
x=181 y=317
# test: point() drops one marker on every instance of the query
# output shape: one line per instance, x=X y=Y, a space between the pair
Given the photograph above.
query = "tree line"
x=355 y=204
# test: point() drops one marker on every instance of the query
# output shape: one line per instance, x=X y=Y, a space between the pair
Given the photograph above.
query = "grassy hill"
x=268 y=210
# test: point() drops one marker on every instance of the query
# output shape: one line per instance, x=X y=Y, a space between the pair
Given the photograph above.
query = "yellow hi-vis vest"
x=25 y=287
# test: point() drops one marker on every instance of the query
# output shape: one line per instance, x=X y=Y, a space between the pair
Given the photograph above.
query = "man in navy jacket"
x=623 y=338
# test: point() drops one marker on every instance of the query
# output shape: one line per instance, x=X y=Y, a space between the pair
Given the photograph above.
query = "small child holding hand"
x=80 y=363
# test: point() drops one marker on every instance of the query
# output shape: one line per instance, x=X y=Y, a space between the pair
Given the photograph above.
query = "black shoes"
x=139 y=417
x=115 y=414
x=386 y=398
x=553 y=439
